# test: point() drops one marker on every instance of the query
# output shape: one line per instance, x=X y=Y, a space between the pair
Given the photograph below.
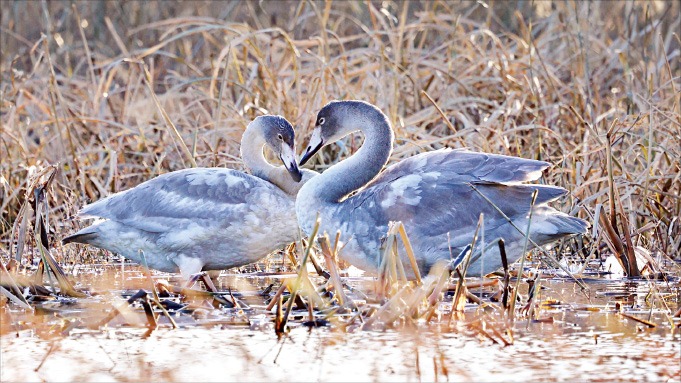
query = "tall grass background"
x=592 y=87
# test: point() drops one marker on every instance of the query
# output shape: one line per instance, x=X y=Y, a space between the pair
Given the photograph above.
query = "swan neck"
x=353 y=173
x=252 y=146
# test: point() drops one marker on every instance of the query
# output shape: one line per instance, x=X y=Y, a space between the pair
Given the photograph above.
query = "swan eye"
x=321 y=121
x=279 y=136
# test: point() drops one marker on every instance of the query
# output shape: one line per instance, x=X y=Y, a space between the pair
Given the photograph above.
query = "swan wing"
x=447 y=190
x=465 y=165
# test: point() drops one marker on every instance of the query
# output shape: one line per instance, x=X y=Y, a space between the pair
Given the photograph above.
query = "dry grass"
x=591 y=87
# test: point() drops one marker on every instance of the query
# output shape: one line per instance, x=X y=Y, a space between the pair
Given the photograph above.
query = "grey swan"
x=206 y=218
x=433 y=194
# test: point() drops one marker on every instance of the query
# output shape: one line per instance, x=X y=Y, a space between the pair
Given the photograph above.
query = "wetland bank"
x=97 y=97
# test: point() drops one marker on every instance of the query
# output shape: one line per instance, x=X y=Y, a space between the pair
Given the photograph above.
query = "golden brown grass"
x=591 y=87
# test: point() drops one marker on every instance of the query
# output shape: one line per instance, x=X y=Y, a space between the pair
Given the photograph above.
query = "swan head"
x=280 y=138
x=336 y=120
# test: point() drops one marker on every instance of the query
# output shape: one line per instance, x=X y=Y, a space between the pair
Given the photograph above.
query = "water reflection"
x=574 y=335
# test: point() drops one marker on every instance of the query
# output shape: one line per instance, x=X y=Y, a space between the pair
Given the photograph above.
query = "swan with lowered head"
x=433 y=194
x=206 y=218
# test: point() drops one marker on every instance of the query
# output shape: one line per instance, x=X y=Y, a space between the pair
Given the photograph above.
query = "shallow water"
x=581 y=336
x=241 y=354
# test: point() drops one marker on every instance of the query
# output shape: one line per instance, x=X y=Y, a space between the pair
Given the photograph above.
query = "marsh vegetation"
x=97 y=97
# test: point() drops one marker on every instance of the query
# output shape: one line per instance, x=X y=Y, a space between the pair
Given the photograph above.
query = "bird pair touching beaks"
x=215 y=218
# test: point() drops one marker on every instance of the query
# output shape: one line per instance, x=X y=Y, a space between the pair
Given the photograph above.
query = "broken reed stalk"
x=461 y=283
x=501 y=336
x=633 y=270
x=399 y=265
x=459 y=298
x=22 y=216
x=511 y=309
x=410 y=252
x=507 y=276
x=220 y=299
x=639 y=320
x=333 y=270
x=54 y=345
x=50 y=264
x=276 y=296
x=391 y=270
x=440 y=285
x=310 y=290
x=436 y=294
x=611 y=176
x=387 y=270
x=208 y=282
x=417 y=299
x=485 y=322
x=320 y=271
x=22 y=220
x=621 y=253
x=6 y=277
x=21 y=302
x=624 y=254
x=52 y=268
x=301 y=269
x=471 y=297
x=278 y=318
x=532 y=297
x=290 y=256
x=614 y=242
x=149 y=312
x=482 y=283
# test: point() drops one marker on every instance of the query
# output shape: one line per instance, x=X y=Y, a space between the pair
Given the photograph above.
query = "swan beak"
x=316 y=143
x=288 y=157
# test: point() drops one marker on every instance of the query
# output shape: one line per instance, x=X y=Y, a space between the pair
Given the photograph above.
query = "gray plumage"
x=433 y=194
x=205 y=218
